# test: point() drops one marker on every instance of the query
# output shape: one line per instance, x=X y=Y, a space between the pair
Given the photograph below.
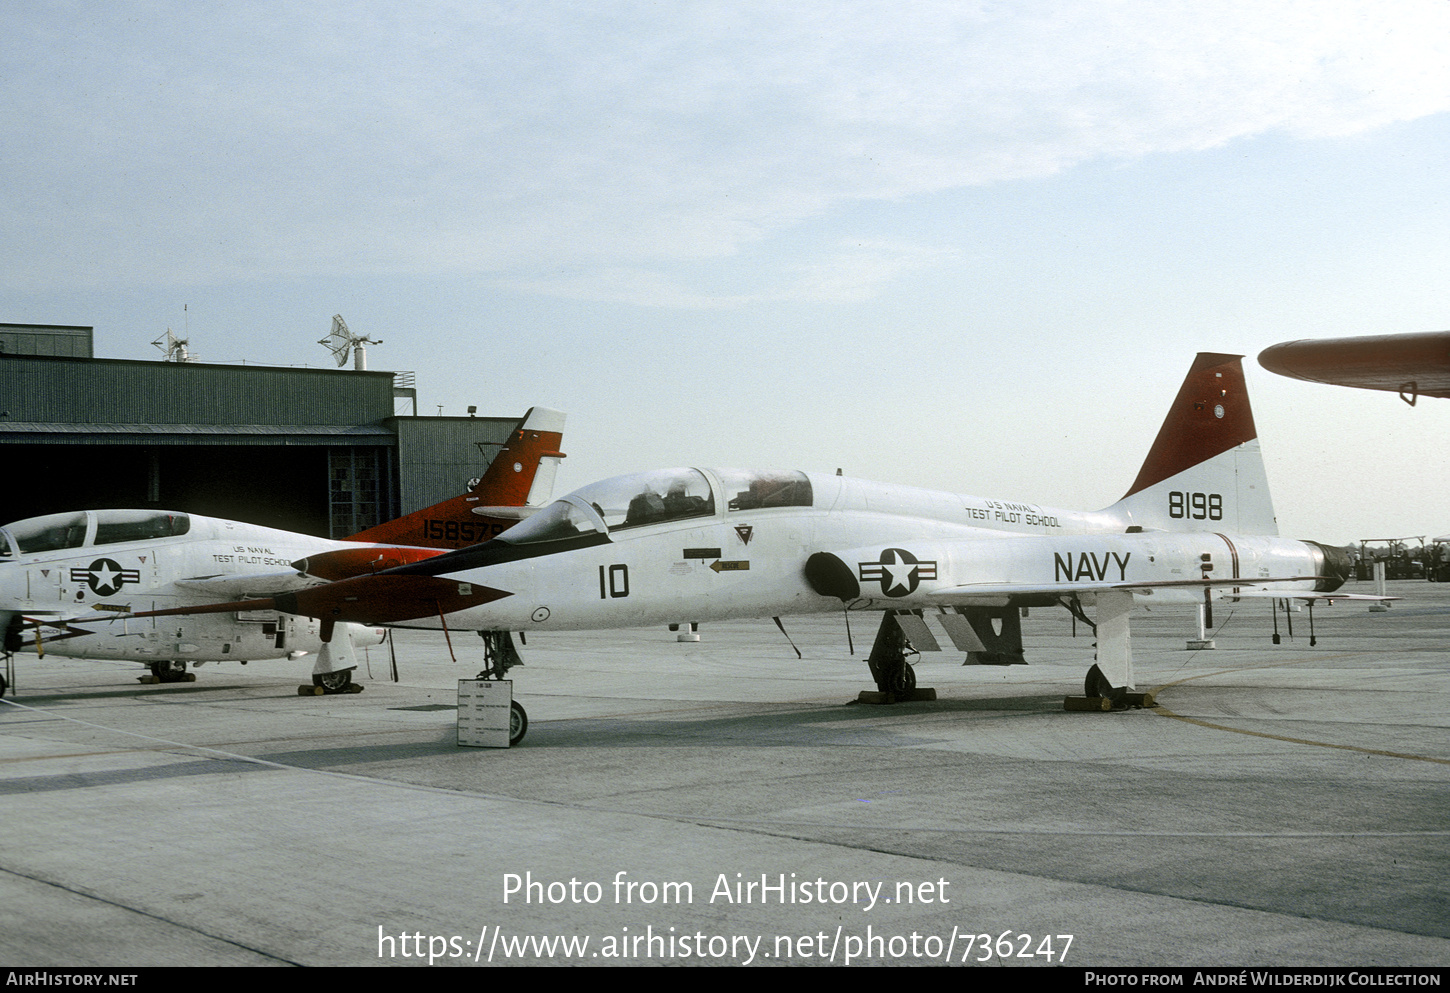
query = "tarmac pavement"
x=1284 y=805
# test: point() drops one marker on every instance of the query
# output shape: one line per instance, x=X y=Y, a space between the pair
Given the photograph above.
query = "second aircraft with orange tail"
x=101 y=563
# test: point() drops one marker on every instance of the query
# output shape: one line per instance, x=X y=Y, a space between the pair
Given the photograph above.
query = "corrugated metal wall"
x=248 y=443
x=52 y=389
x=437 y=456
x=312 y=450
x=47 y=339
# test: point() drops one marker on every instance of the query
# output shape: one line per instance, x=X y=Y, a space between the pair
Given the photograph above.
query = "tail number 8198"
x=1197 y=506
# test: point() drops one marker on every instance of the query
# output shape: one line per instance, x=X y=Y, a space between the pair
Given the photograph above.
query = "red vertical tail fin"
x=520 y=476
x=522 y=473
x=1205 y=471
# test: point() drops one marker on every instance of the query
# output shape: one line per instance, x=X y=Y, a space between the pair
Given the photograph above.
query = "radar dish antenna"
x=175 y=348
x=342 y=340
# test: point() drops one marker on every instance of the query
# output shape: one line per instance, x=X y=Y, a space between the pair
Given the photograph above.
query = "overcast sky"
x=971 y=246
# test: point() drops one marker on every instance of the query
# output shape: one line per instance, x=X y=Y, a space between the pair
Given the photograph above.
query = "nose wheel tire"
x=518 y=723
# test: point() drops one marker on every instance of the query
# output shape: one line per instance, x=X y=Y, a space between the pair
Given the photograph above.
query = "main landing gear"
x=993 y=636
x=336 y=660
x=1110 y=638
x=989 y=636
x=169 y=671
x=894 y=676
x=328 y=683
x=1101 y=695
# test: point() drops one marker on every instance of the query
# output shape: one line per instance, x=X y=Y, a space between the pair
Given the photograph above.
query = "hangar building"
x=313 y=450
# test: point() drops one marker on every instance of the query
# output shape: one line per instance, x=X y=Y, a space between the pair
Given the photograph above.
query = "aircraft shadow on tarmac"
x=786 y=727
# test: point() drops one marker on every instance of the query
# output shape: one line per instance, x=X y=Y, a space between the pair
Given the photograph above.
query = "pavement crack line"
x=97 y=898
x=1163 y=711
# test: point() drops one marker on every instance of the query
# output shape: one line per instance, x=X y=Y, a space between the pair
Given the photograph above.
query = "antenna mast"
x=175 y=348
x=341 y=341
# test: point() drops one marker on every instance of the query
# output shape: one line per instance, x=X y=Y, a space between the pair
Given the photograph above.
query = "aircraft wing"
x=996 y=594
x=256 y=584
x=1306 y=595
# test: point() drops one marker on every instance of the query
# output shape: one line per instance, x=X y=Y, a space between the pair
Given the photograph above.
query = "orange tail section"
x=1210 y=416
x=1205 y=471
x=520 y=478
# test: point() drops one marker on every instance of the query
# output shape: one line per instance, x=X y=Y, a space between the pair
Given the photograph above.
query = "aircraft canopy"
x=646 y=498
x=82 y=528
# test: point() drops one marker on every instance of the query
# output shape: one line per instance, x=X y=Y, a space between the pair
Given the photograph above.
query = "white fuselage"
x=741 y=560
x=108 y=563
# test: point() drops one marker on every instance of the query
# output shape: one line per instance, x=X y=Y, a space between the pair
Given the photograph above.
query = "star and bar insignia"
x=105 y=577
x=899 y=572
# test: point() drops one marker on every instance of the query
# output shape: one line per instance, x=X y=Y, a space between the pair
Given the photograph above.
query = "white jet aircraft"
x=656 y=547
x=60 y=573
